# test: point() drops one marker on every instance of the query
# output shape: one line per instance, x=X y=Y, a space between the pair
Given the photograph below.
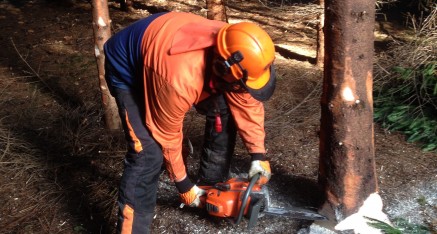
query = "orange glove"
x=192 y=197
x=262 y=167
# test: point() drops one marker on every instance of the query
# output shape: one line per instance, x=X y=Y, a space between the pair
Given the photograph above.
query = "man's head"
x=245 y=57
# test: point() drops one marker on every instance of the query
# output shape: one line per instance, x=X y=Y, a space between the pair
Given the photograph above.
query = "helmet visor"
x=264 y=93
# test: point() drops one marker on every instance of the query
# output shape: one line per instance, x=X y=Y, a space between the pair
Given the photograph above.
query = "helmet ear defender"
x=222 y=67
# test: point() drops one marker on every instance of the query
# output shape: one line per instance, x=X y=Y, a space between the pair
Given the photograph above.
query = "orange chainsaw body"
x=226 y=199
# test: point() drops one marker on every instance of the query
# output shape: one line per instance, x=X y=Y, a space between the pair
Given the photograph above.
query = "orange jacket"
x=174 y=49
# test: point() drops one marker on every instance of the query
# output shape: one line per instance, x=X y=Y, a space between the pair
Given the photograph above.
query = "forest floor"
x=59 y=168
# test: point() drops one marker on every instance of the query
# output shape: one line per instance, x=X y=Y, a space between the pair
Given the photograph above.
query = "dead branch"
x=305 y=100
x=30 y=67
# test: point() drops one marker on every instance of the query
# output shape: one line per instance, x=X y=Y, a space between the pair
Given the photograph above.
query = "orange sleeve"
x=168 y=116
x=249 y=118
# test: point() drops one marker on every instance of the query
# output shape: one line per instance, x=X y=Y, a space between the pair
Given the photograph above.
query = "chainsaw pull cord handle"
x=246 y=196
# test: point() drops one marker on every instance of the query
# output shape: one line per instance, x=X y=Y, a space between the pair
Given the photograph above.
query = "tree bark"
x=320 y=37
x=216 y=10
x=102 y=32
x=347 y=159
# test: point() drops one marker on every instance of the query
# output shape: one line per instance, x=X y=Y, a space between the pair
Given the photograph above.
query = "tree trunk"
x=320 y=37
x=347 y=160
x=216 y=10
x=102 y=32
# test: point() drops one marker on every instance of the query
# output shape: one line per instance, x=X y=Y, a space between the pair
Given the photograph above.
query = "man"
x=157 y=69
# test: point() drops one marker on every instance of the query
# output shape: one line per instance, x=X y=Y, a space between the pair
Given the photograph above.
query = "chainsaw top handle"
x=246 y=196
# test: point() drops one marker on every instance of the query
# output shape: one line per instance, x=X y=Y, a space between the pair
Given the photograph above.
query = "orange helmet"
x=248 y=47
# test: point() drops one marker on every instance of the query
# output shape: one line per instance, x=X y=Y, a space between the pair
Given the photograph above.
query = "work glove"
x=262 y=167
x=192 y=197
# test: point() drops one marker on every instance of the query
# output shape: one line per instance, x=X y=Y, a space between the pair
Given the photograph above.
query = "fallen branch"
x=8 y=143
x=316 y=88
x=30 y=67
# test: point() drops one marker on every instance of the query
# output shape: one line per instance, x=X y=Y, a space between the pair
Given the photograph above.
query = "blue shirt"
x=123 y=57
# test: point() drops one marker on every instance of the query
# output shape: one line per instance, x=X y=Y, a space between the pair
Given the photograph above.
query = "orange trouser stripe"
x=137 y=142
x=128 y=219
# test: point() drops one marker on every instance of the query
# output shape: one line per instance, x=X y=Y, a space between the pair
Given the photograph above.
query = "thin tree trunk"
x=320 y=37
x=347 y=159
x=102 y=32
x=216 y=10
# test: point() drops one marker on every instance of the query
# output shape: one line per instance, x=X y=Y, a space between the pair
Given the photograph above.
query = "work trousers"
x=142 y=166
x=218 y=147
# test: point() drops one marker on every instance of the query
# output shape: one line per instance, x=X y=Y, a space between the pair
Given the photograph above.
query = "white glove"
x=262 y=167
x=192 y=197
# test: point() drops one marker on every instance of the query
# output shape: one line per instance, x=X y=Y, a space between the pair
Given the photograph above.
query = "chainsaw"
x=239 y=197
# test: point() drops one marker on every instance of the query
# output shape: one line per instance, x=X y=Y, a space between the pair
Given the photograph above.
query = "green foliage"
x=384 y=227
x=400 y=226
x=407 y=227
x=409 y=104
x=79 y=229
x=422 y=201
x=406 y=88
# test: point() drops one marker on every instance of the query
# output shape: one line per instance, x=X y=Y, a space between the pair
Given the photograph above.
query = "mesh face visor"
x=239 y=86
x=264 y=93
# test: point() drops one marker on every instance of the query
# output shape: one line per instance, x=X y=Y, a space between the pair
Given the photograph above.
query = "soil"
x=60 y=167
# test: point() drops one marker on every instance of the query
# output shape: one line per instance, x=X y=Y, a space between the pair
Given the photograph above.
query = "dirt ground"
x=60 y=169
